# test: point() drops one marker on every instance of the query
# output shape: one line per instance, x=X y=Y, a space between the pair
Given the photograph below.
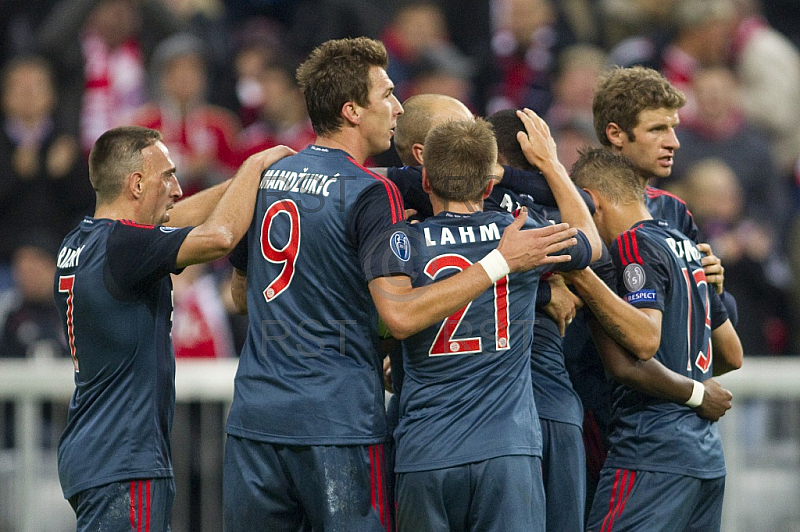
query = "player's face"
x=654 y=144
x=161 y=187
x=380 y=117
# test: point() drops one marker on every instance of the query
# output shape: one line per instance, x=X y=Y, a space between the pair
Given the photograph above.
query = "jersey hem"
x=443 y=464
x=688 y=472
x=118 y=477
x=304 y=440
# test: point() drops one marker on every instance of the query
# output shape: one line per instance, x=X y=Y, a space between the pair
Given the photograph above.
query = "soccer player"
x=114 y=294
x=327 y=253
x=558 y=405
x=657 y=446
x=468 y=444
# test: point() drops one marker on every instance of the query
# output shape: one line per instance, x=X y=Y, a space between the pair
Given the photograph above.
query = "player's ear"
x=488 y=189
x=351 y=112
x=426 y=185
x=135 y=184
x=616 y=136
x=416 y=150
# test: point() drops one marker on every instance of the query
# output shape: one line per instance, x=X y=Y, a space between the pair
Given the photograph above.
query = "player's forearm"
x=406 y=310
x=239 y=290
x=195 y=209
x=650 y=377
x=571 y=205
x=630 y=327
x=728 y=352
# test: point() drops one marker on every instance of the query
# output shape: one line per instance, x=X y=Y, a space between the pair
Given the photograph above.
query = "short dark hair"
x=622 y=94
x=459 y=159
x=506 y=125
x=610 y=174
x=336 y=72
x=115 y=155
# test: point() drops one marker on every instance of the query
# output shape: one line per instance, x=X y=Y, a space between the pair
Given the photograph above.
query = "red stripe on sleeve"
x=395 y=199
x=635 y=242
x=621 y=250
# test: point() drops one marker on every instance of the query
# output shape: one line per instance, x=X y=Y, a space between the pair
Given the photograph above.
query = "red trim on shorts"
x=133 y=506
x=619 y=492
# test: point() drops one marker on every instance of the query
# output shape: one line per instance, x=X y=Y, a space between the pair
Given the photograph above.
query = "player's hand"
x=716 y=401
x=266 y=158
x=537 y=144
x=563 y=303
x=408 y=213
x=529 y=248
x=387 y=374
x=712 y=266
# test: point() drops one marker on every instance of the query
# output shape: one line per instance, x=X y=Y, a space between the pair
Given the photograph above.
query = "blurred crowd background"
x=217 y=79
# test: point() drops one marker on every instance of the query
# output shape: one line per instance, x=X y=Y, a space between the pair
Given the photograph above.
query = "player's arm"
x=712 y=267
x=540 y=150
x=229 y=220
x=651 y=377
x=562 y=305
x=406 y=310
x=195 y=209
x=239 y=290
x=637 y=330
x=727 y=349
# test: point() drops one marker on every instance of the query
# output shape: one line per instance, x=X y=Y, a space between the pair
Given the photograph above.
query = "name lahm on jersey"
x=68 y=258
x=485 y=233
x=685 y=248
x=305 y=183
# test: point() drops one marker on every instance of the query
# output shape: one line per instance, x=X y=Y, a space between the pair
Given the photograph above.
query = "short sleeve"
x=382 y=240
x=137 y=256
x=238 y=257
x=644 y=283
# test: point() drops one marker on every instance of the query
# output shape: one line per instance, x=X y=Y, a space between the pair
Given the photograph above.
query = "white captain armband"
x=698 y=392
x=495 y=265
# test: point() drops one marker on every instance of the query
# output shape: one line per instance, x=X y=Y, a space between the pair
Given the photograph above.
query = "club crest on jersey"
x=400 y=246
x=167 y=229
x=633 y=277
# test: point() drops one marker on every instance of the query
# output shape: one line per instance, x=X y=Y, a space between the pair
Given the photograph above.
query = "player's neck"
x=459 y=207
x=348 y=143
x=115 y=211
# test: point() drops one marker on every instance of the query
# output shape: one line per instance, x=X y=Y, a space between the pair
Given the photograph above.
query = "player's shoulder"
x=657 y=194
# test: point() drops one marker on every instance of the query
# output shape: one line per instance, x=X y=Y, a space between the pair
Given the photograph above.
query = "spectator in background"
x=755 y=268
x=767 y=65
x=570 y=114
x=101 y=49
x=29 y=323
x=200 y=327
x=443 y=70
x=43 y=183
x=201 y=136
x=259 y=42
x=720 y=129
x=282 y=117
x=699 y=37
x=524 y=45
x=416 y=27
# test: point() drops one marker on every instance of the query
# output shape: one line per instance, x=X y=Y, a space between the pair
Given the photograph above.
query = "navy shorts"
x=497 y=495
x=564 y=475
x=141 y=504
x=294 y=488
x=628 y=500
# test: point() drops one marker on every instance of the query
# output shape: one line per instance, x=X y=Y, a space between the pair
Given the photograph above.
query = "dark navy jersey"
x=114 y=294
x=467 y=393
x=529 y=185
x=555 y=395
x=659 y=268
x=665 y=206
x=310 y=372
